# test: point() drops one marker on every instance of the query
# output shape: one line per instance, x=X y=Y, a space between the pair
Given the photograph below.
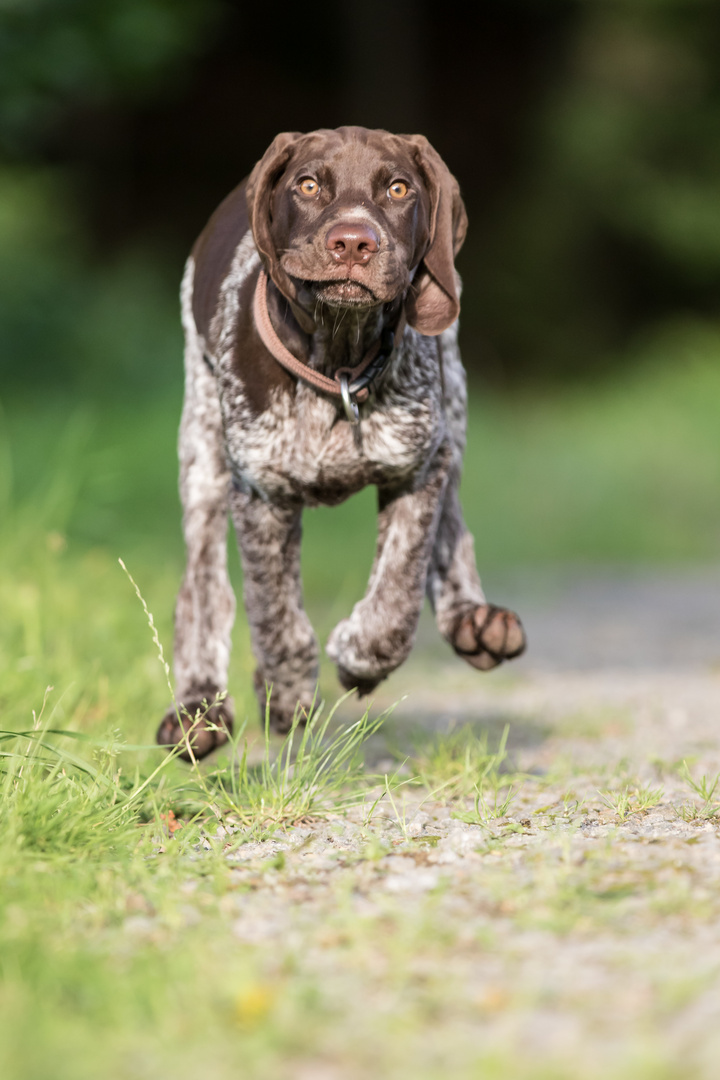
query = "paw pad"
x=488 y=635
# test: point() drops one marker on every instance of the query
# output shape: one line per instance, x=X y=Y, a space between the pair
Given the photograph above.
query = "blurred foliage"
x=66 y=321
x=584 y=134
x=613 y=222
x=66 y=316
x=626 y=472
x=58 y=53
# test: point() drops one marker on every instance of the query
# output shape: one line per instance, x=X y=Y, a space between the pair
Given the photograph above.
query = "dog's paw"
x=350 y=680
x=205 y=727
x=488 y=635
x=358 y=667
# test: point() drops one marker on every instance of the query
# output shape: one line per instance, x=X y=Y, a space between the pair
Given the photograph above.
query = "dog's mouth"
x=343 y=293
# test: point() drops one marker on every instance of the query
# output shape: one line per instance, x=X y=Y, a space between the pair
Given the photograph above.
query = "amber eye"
x=398 y=190
x=309 y=187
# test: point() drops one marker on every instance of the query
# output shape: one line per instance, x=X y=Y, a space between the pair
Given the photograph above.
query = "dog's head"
x=356 y=218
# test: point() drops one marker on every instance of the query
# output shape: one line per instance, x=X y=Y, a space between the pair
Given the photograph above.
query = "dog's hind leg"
x=205 y=607
x=481 y=633
x=283 y=641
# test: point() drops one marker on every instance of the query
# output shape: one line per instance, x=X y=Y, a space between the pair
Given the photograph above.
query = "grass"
x=124 y=910
x=317 y=770
x=55 y=798
x=457 y=762
x=459 y=766
x=629 y=800
x=705 y=789
x=86 y=847
x=135 y=891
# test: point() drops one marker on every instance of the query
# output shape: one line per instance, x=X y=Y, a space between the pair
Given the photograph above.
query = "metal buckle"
x=351 y=410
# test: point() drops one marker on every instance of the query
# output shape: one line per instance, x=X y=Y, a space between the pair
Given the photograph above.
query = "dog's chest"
x=302 y=447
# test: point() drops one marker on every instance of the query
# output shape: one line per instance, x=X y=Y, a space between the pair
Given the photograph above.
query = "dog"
x=320 y=308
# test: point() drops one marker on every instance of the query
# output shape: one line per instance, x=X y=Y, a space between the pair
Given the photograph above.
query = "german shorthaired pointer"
x=320 y=311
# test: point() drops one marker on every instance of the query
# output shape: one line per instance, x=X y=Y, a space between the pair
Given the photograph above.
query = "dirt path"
x=579 y=931
x=619 y=667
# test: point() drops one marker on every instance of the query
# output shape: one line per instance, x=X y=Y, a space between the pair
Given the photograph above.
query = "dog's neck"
x=342 y=336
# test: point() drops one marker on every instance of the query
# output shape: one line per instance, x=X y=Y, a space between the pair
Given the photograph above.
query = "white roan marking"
x=291 y=454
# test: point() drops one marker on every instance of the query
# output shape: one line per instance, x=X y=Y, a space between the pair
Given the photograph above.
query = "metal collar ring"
x=352 y=411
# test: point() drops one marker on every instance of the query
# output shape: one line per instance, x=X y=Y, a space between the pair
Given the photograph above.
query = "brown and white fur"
x=260 y=444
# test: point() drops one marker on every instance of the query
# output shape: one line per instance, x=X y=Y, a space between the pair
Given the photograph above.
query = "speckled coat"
x=260 y=444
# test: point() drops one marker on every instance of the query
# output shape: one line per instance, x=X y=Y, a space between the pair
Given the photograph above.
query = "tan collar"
x=351 y=384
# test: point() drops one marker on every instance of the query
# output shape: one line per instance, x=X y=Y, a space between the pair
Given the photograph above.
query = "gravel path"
x=575 y=930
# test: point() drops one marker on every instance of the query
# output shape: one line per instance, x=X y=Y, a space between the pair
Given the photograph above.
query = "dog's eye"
x=309 y=187
x=398 y=190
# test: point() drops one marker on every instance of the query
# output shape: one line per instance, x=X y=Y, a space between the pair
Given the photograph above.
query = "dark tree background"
x=584 y=134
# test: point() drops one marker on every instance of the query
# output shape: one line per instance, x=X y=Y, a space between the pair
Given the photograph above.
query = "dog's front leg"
x=205 y=607
x=380 y=632
x=283 y=641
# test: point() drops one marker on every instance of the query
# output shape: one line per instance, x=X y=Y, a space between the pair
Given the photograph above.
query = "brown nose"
x=351 y=244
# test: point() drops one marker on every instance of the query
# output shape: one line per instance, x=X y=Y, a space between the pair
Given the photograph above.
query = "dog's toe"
x=362 y=683
x=487 y=635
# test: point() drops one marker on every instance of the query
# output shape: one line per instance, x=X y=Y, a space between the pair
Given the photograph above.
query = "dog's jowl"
x=320 y=311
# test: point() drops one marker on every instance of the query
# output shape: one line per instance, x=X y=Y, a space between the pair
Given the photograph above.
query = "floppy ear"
x=260 y=186
x=433 y=301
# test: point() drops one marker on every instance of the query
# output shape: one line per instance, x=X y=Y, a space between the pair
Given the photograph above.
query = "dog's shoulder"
x=215 y=251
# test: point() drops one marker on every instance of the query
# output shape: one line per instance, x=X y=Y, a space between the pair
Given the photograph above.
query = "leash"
x=351 y=384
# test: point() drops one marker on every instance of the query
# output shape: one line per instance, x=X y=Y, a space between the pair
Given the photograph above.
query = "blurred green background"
x=584 y=134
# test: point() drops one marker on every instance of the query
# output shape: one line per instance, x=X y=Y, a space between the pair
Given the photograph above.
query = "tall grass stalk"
x=316 y=771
